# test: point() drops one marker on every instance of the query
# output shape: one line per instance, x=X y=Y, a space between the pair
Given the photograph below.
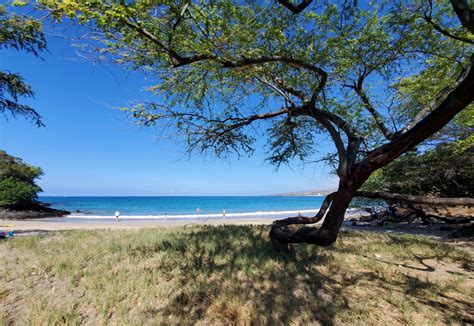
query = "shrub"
x=17 y=181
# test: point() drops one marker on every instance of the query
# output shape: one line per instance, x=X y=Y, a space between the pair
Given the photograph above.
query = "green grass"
x=231 y=275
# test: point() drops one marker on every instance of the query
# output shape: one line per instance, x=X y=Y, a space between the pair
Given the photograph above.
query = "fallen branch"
x=394 y=197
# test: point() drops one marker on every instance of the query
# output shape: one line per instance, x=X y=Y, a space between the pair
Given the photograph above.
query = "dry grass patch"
x=230 y=274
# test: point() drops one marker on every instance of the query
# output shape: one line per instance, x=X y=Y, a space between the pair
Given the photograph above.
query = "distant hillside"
x=317 y=192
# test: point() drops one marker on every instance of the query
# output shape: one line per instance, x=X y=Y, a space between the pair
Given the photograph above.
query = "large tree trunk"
x=282 y=236
x=353 y=175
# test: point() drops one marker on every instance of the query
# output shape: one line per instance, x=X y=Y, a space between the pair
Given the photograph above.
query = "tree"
x=445 y=171
x=379 y=79
x=21 y=33
x=17 y=182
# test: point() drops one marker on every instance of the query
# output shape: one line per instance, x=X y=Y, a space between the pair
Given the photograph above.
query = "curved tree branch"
x=446 y=32
x=358 y=88
x=275 y=58
x=309 y=220
x=248 y=120
x=178 y=59
x=336 y=138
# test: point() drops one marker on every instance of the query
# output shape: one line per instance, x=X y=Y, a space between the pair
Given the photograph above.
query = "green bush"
x=446 y=171
x=17 y=181
x=14 y=192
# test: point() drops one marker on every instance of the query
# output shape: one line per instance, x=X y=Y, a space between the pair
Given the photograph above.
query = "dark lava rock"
x=32 y=211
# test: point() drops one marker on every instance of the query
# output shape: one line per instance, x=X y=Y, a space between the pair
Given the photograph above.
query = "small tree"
x=17 y=182
x=21 y=33
x=379 y=79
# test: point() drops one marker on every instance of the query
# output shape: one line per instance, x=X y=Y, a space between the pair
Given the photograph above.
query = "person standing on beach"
x=117 y=215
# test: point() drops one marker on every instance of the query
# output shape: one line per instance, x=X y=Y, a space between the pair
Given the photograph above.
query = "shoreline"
x=352 y=212
x=75 y=222
x=47 y=225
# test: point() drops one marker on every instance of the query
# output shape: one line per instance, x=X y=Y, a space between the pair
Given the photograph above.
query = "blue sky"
x=90 y=148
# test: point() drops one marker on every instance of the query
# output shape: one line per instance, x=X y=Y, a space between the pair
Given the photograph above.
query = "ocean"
x=183 y=208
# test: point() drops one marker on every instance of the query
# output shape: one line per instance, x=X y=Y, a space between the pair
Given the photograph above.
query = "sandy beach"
x=77 y=222
x=52 y=224
x=46 y=225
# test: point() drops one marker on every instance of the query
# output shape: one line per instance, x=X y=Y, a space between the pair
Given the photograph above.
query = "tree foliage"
x=219 y=63
x=17 y=181
x=378 y=78
x=20 y=33
x=446 y=171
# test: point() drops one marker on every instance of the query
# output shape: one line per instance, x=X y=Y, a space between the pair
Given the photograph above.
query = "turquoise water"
x=185 y=207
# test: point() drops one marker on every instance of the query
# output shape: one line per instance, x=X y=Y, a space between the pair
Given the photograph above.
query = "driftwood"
x=394 y=197
x=457 y=212
x=450 y=210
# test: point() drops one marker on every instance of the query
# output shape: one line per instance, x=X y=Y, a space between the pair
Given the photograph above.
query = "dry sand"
x=54 y=225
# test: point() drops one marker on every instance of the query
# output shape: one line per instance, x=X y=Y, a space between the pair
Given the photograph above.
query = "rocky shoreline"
x=32 y=211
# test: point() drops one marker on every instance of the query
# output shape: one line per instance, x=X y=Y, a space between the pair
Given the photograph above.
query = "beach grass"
x=231 y=275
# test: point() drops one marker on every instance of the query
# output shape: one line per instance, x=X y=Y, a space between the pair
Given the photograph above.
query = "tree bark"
x=465 y=13
x=461 y=95
x=309 y=220
x=282 y=236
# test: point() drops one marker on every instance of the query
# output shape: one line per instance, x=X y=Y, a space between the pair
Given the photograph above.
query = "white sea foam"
x=201 y=216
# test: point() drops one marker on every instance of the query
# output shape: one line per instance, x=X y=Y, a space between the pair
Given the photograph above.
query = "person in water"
x=117 y=215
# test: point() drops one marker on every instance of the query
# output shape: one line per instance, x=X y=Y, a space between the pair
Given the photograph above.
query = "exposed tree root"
x=282 y=236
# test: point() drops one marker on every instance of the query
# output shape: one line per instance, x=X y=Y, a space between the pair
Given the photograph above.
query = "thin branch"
x=275 y=88
x=321 y=75
x=358 y=88
x=290 y=90
x=338 y=121
x=248 y=120
x=175 y=56
x=446 y=32
x=276 y=58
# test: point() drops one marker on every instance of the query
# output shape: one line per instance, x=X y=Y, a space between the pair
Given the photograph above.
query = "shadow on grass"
x=226 y=268
x=231 y=274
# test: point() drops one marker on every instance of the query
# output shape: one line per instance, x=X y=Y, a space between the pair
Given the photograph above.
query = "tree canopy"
x=21 y=33
x=17 y=181
x=222 y=66
x=378 y=78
